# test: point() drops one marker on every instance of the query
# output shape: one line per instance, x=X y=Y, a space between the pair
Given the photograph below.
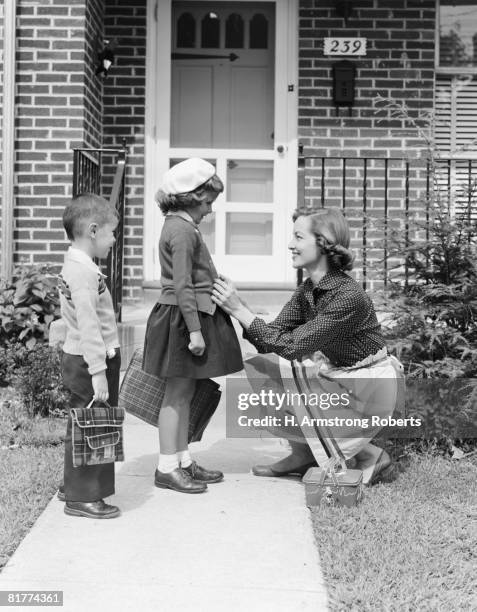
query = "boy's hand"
x=100 y=386
x=196 y=344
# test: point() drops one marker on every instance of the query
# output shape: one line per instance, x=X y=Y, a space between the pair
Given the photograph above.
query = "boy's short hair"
x=87 y=208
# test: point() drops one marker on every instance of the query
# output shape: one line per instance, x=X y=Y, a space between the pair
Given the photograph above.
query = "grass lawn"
x=410 y=545
x=31 y=461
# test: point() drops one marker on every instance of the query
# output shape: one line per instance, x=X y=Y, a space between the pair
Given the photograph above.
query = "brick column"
x=124 y=117
x=58 y=108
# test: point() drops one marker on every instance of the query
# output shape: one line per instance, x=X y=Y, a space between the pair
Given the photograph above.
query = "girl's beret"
x=187 y=175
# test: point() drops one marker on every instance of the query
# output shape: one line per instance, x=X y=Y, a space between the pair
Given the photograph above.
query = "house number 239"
x=344 y=46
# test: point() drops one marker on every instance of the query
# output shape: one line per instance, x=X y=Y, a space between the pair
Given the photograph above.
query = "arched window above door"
x=186 y=31
x=234 y=32
x=259 y=32
x=210 y=31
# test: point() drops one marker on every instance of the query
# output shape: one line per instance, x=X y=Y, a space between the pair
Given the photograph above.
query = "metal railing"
x=88 y=177
x=380 y=195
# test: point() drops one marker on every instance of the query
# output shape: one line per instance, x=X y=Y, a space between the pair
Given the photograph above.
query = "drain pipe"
x=8 y=139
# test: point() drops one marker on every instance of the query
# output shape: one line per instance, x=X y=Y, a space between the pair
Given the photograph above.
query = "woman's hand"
x=225 y=295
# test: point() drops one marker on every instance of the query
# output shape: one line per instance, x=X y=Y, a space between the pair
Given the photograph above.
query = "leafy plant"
x=433 y=294
x=28 y=304
x=433 y=298
x=37 y=380
x=12 y=355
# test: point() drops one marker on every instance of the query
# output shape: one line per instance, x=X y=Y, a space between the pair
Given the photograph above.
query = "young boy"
x=91 y=358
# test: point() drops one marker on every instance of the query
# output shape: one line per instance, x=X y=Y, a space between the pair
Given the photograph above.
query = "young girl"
x=187 y=336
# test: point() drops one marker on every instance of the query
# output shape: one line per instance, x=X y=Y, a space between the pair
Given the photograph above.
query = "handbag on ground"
x=141 y=394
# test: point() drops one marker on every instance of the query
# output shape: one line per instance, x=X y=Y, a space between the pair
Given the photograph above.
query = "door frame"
x=158 y=117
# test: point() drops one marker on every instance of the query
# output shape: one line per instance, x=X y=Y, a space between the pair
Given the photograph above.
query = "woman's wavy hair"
x=332 y=235
x=172 y=202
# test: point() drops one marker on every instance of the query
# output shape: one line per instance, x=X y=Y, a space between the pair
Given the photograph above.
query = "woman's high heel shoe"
x=268 y=470
x=382 y=469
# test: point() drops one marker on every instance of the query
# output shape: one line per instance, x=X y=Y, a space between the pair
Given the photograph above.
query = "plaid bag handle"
x=105 y=402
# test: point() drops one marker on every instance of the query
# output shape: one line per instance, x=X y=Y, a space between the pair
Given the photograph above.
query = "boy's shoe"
x=61 y=494
x=178 y=480
x=98 y=509
x=202 y=475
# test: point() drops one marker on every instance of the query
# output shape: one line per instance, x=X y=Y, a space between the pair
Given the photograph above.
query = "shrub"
x=12 y=355
x=28 y=304
x=435 y=315
x=434 y=303
x=37 y=380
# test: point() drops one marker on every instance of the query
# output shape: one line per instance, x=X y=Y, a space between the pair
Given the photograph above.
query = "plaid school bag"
x=97 y=435
x=141 y=394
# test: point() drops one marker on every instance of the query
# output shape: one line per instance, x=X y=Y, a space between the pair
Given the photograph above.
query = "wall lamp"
x=106 y=58
x=344 y=8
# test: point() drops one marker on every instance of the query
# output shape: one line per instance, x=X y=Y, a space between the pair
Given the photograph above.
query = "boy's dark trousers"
x=92 y=482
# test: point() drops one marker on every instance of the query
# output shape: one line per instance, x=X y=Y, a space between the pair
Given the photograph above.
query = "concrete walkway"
x=245 y=544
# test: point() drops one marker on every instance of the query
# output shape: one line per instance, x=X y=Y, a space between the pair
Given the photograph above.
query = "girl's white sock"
x=168 y=463
x=184 y=458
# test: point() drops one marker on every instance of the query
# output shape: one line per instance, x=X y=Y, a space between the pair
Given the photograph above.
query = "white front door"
x=225 y=90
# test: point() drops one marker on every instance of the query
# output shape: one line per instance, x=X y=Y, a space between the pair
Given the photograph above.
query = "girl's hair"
x=332 y=235
x=190 y=199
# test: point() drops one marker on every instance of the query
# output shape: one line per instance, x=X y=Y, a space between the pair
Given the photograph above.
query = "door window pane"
x=207 y=229
x=234 y=32
x=259 y=32
x=458 y=33
x=249 y=180
x=248 y=233
x=210 y=31
x=186 y=31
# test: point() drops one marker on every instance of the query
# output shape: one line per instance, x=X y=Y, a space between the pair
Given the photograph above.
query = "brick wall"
x=1 y=113
x=93 y=88
x=53 y=108
x=62 y=104
x=399 y=65
x=124 y=116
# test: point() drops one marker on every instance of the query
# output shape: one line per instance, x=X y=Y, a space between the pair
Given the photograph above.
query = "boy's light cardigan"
x=87 y=310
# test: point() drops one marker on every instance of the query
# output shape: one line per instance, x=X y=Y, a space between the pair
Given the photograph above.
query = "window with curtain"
x=456 y=102
x=457 y=33
x=456 y=78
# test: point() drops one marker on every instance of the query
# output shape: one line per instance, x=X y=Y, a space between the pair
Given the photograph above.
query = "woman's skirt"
x=336 y=411
x=167 y=338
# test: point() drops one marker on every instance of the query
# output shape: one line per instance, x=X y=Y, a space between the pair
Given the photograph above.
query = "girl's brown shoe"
x=202 y=475
x=178 y=480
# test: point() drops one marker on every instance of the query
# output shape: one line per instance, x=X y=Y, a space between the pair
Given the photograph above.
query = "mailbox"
x=344 y=74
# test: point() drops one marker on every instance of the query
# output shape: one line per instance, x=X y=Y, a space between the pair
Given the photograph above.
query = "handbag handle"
x=105 y=402
x=330 y=469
